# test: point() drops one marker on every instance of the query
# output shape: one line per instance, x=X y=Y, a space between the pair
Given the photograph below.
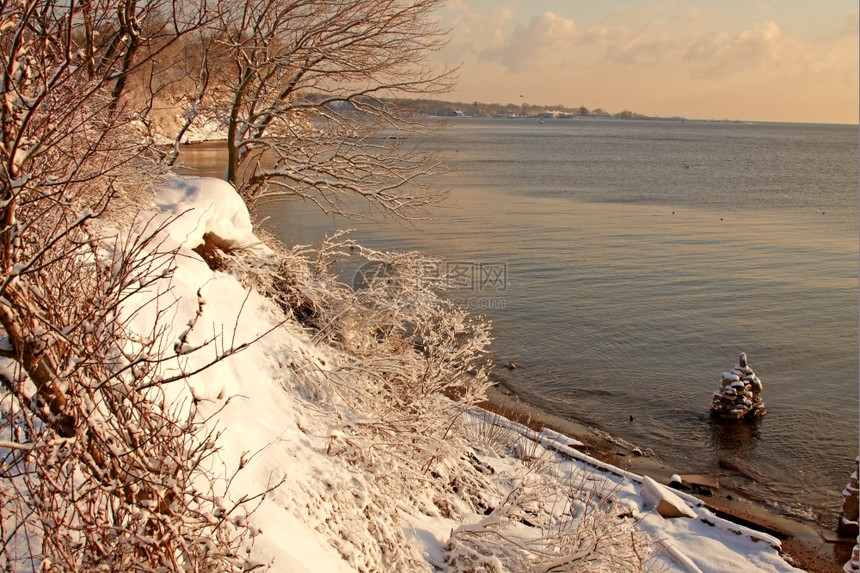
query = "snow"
x=212 y=206
x=352 y=503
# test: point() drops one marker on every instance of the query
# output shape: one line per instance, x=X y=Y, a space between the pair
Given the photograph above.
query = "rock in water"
x=739 y=393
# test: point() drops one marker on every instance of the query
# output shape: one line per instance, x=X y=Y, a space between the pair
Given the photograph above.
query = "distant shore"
x=810 y=546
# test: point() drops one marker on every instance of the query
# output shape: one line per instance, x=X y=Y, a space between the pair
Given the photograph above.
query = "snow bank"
x=345 y=505
x=204 y=205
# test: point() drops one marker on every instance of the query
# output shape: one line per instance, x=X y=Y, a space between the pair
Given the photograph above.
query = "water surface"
x=640 y=258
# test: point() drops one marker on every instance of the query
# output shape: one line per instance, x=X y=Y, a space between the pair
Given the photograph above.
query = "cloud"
x=457 y=5
x=686 y=44
x=721 y=55
x=530 y=43
x=661 y=58
x=649 y=44
x=765 y=48
x=474 y=32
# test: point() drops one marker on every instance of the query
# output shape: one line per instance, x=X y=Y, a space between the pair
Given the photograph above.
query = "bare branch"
x=299 y=83
x=95 y=473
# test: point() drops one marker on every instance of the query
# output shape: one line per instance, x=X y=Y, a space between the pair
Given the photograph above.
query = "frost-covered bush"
x=553 y=516
x=394 y=366
x=391 y=385
x=544 y=524
x=404 y=348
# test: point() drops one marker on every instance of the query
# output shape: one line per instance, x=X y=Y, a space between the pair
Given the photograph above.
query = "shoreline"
x=809 y=545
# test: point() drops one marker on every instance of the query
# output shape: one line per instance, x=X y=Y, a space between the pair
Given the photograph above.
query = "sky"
x=772 y=60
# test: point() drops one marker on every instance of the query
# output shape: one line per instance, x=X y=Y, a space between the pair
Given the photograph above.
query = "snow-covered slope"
x=359 y=493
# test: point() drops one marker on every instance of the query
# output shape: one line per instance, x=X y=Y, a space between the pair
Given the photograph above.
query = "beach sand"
x=810 y=546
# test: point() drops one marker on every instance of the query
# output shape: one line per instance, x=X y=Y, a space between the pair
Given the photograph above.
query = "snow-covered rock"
x=848 y=520
x=663 y=500
x=739 y=393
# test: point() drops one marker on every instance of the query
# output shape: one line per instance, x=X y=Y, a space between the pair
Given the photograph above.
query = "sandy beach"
x=811 y=546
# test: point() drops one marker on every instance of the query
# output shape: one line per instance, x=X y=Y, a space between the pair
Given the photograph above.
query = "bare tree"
x=86 y=415
x=301 y=84
x=70 y=151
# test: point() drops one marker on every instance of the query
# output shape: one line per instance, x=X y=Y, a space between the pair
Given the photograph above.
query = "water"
x=640 y=258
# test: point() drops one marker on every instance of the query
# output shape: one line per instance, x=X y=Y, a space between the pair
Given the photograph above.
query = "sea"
x=625 y=264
